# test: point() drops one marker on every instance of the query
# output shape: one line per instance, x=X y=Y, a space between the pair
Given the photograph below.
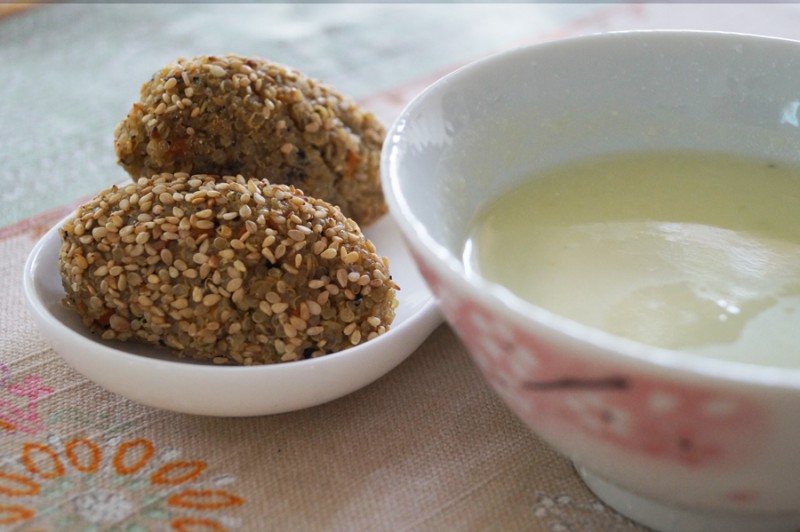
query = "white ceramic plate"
x=151 y=376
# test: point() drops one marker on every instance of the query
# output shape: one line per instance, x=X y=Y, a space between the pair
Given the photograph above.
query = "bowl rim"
x=501 y=300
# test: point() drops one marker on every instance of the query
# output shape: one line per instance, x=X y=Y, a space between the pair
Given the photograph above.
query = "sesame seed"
x=267 y=253
x=116 y=221
x=273 y=297
x=296 y=235
x=118 y=323
x=298 y=323
x=197 y=294
x=211 y=300
x=314 y=308
x=216 y=71
x=81 y=262
x=238 y=296
x=234 y=284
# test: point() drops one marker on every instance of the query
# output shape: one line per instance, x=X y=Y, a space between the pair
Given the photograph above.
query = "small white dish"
x=153 y=377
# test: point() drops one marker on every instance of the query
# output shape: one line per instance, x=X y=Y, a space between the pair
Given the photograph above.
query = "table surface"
x=427 y=447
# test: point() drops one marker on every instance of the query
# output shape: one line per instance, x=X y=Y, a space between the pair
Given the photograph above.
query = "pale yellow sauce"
x=692 y=252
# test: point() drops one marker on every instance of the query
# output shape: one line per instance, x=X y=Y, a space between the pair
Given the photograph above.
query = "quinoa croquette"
x=229 y=115
x=225 y=269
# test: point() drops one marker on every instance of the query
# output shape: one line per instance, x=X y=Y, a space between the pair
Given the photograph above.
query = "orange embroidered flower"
x=114 y=482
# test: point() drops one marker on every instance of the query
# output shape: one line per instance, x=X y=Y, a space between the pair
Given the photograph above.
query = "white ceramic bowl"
x=153 y=377
x=675 y=441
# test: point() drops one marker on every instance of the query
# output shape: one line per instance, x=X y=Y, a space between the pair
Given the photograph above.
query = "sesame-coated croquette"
x=224 y=269
x=230 y=115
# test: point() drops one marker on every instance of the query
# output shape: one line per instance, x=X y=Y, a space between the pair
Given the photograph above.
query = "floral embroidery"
x=20 y=411
x=85 y=483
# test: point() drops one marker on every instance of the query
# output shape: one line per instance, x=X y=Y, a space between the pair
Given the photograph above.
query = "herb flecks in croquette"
x=236 y=115
x=225 y=269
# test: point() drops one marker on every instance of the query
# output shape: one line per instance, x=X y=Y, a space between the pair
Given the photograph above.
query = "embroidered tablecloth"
x=428 y=447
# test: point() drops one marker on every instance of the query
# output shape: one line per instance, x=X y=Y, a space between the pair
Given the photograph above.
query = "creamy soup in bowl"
x=693 y=251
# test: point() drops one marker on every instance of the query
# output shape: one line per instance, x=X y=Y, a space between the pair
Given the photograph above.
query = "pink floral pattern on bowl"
x=556 y=391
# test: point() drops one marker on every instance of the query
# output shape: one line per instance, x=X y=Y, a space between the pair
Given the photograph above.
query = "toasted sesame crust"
x=225 y=269
x=237 y=115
